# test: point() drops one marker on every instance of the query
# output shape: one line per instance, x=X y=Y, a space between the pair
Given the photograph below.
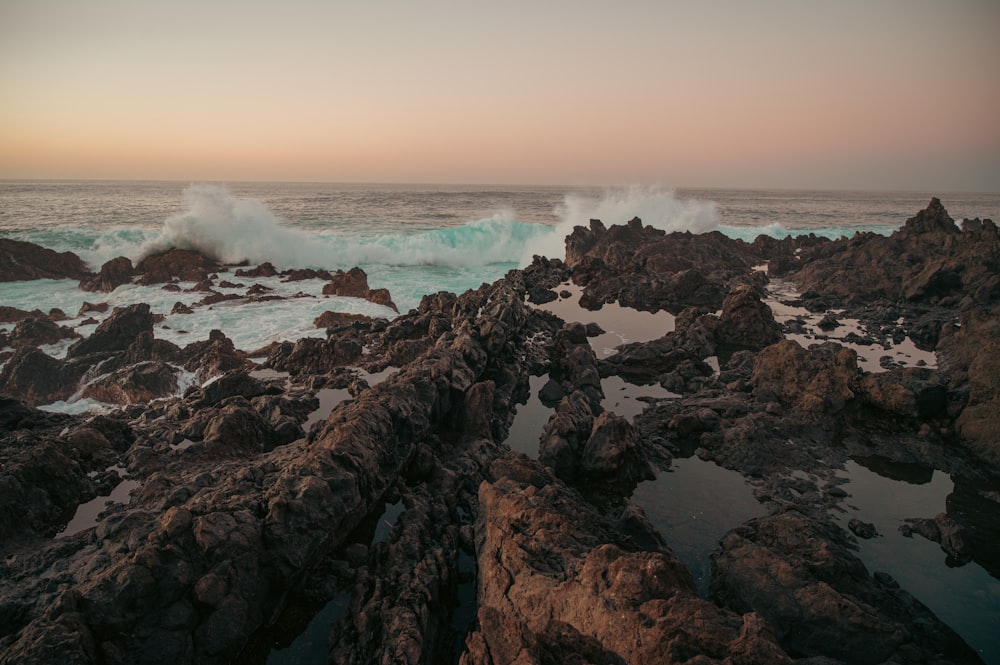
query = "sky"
x=851 y=94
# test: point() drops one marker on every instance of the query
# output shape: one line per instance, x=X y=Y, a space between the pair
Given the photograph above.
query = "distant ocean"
x=413 y=240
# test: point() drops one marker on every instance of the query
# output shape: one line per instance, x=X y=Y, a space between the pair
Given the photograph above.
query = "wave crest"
x=655 y=206
x=233 y=230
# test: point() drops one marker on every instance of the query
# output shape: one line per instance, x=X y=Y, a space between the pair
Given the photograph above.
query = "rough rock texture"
x=117 y=332
x=801 y=577
x=21 y=261
x=113 y=274
x=175 y=264
x=558 y=582
x=354 y=284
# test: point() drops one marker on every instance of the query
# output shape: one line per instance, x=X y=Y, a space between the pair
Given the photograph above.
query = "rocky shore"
x=367 y=476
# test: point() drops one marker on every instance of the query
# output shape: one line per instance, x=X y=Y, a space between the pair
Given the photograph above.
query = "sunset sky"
x=871 y=94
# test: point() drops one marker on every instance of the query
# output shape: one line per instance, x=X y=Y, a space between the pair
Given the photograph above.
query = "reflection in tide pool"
x=693 y=506
x=966 y=598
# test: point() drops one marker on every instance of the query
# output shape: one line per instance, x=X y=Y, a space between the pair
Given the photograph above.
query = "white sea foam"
x=655 y=206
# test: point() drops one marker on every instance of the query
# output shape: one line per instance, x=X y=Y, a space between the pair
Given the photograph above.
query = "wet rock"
x=175 y=264
x=263 y=270
x=911 y=392
x=117 y=332
x=955 y=540
x=214 y=357
x=339 y=319
x=37 y=378
x=558 y=580
x=354 y=284
x=13 y=314
x=612 y=454
x=87 y=307
x=22 y=261
x=135 y=384
x=37 y=332
x=113 y=274
x=800 y=576
x=861 y=529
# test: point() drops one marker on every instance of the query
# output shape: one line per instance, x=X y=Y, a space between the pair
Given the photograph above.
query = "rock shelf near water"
x=262 y=494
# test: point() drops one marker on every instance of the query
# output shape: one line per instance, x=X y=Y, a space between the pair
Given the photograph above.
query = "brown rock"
x=113 y=274
x=183 y=264
x=338 y=319
x=117 y=332
x=22 y=261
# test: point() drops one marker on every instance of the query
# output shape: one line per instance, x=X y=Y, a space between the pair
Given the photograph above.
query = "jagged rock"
x=38 y=331
x=135 y=384
x=745 y=321
x=338 y=319
x=22 y=261
x=214 y=357
x=954 y=539
x=354 y=284
x=116 y=332
x=818 y=380
x=912 y=392
x=799 y=575
x=113 y=274
x=862 y=529
x=13 y=314
x=182 y=264
x=559 y=581
x=263 y=270
x=37 y=378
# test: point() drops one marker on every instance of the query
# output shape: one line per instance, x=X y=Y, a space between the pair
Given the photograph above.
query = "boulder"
x=800 y=575
x=263 y=270
x=135 y=384
x=113 y=274
x=745 y=321
x=117 y=332
x=22 y=261
x=558 y=582
x=354 y=284
x=819 y=380
x=175 y=264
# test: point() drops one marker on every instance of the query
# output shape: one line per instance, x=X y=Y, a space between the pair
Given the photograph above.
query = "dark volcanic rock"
x=113 y=274
x=559 y=581
x=37 y=378
x=135 y=384
x=928 y=260
x=745 y=321
x=263 y=270
x=354 y=284
x=339 y=319
x=183 y=264
x=38 y=331
x=22 y=261
x=800 y=575
x=818 y=380
x=117 y=332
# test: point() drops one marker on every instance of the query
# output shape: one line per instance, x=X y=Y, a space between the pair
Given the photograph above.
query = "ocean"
x=417 y=240
x=412 y=240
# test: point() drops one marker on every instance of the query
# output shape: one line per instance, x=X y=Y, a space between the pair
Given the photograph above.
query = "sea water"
x=418 y=240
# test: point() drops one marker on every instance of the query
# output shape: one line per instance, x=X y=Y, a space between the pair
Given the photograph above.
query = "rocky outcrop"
x=801 y=577
x=354 y=284
x=820 y=380
x=558 y=582
x=21 y=261
x=117 y=332
x=928 y=261
x=175 y=264
x=113 y=274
